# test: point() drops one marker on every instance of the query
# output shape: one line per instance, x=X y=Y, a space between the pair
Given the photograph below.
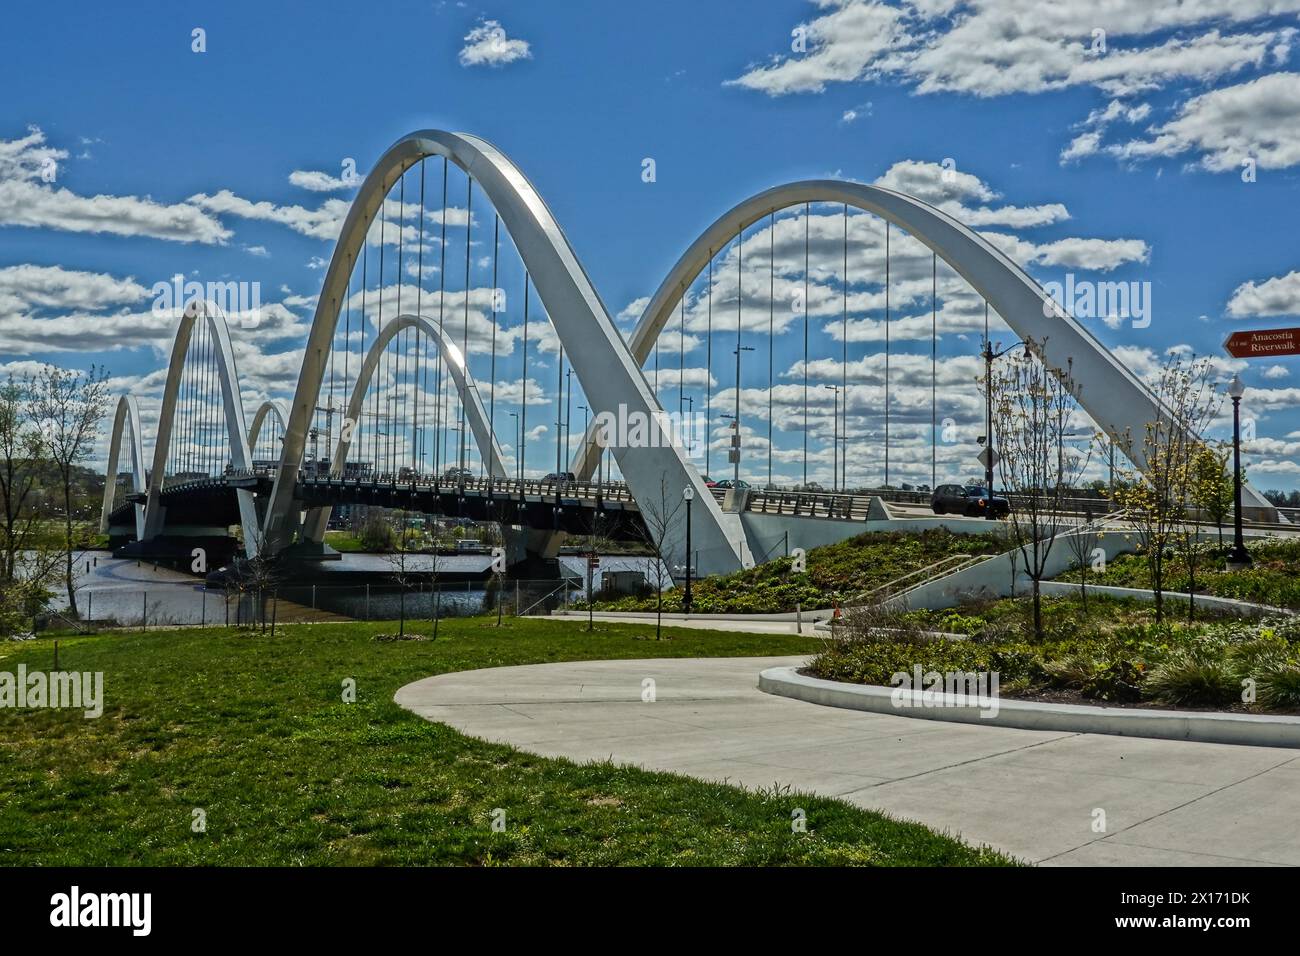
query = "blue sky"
x=1140 y=143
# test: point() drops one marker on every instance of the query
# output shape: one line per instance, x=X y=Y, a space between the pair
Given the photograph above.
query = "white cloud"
x=25 y=288
x=1279 y=295
x=953 y=190
x=319 y=182
x=1259 y=120
x=1074 y=253
x=28 y=199
x=488 y=45
x=632 y=311
x=1274 y=372
x=991 y=48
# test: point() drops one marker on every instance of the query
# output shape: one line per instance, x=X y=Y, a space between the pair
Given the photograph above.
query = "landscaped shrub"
x=835 y=573
x=1274 y=579
x=1199 y=675
x=1278 y=685
x=1117 y=656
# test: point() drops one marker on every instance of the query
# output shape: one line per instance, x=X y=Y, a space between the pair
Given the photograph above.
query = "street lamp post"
x=688 y=495
x=568 y=413
x=1238 y=558
x=989 y=356
x=690 y=417
x=735 y=445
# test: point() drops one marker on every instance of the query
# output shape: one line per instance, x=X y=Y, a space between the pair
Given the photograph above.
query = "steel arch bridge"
x=278 y=516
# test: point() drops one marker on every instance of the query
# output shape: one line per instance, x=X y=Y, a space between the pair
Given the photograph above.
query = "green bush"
x=1117 y=657
x=1195 y=676
x=1278 y=685
x=836 y=572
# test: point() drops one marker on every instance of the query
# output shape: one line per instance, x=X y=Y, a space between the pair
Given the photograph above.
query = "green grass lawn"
x=1274 y=579
x=835 y=571
x=253 y=730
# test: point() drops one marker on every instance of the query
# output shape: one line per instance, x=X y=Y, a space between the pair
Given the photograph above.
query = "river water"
x=132 y=593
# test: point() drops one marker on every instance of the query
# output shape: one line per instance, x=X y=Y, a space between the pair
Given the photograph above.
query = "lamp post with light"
x=1238 y=558
x=688 y=495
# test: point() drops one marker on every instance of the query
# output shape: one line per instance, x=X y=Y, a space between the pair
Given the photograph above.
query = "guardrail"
x=497 y=487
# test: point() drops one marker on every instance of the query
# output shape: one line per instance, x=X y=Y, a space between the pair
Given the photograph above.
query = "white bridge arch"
x=596 y=350
x=475 y=414
x=150 y=518
x=127 y=416
x=608 y=367
x=269 y=408
x=1116 y=399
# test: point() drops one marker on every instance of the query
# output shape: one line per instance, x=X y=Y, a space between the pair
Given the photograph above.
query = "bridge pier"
x=531 y=552
x=177 y=548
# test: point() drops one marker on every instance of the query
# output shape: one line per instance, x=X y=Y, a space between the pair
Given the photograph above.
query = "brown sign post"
x=1261 y=343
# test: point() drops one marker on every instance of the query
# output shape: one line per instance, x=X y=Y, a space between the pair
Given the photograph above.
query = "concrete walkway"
x=1033 y=794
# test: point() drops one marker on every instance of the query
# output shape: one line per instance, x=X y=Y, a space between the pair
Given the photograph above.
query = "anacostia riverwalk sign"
x=1261 y=343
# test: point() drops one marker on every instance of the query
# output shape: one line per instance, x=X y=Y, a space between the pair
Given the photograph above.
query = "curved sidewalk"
x=1031 y=793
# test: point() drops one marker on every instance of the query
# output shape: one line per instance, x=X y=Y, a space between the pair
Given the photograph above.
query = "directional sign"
x=1260 y=343
x=986 y=454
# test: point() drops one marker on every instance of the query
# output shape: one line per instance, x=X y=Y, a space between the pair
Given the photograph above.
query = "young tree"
x=22 y=451
x=662 y=518
x=68 y=408
x=1155 y=501
x=1212 y=485
x=1083 y=542
x=399 y=562
x=1033 y=411
x=260 y=575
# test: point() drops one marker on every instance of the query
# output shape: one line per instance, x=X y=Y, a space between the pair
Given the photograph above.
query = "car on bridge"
x=563 y=477
x=457 y=474
x=739 y=483
x=973 y=501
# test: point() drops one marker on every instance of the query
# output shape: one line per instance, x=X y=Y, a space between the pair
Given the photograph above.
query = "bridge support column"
x=531 y=552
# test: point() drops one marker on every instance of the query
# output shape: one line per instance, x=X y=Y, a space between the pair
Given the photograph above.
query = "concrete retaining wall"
x=1257 y=730
x=768 y=532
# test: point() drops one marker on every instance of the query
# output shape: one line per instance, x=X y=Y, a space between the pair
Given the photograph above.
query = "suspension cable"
x=439 y=410
x=461 y=457
x=492 y=374
x=887 y=313
x=807 y=212
x=844 y=362
x=523 y=404
x=419 y=448
x=708 y=377
x=771 y=322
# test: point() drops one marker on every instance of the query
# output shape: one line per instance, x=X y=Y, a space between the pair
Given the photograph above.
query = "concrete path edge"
x=1261 y=730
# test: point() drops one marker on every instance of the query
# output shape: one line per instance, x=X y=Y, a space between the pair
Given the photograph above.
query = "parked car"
x=970 y=500
x=740 y=483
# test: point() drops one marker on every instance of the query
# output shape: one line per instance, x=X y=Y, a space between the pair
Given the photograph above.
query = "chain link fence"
x=182 y=604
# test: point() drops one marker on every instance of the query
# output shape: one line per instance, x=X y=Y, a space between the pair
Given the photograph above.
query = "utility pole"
x=735 y=424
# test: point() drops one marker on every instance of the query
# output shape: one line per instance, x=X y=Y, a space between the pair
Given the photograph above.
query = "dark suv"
x=971 y=500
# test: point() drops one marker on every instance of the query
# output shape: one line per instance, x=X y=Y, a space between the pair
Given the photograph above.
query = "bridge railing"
x=499 y=487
